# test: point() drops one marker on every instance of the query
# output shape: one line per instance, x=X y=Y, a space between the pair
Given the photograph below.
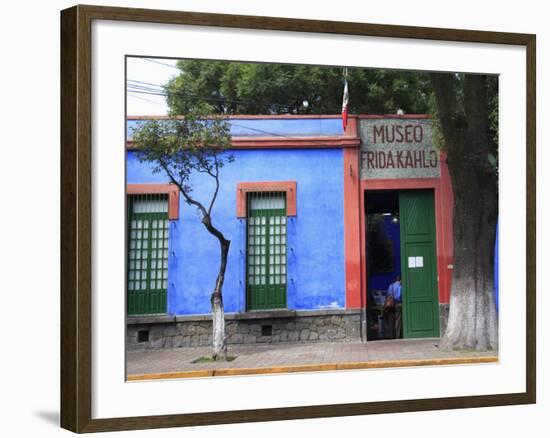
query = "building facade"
x=321 y=221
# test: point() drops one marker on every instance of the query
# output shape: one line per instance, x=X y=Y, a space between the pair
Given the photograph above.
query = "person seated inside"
x=392 y=310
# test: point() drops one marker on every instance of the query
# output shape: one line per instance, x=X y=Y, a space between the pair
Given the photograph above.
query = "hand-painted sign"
x=398 y=148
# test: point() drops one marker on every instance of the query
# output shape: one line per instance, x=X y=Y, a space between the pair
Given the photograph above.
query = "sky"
x=145 y=76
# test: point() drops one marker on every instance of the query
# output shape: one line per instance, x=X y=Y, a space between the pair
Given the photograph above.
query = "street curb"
x=313 y=367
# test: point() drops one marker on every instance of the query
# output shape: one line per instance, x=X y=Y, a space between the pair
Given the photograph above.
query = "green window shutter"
x=266 y=250
x=147 y=276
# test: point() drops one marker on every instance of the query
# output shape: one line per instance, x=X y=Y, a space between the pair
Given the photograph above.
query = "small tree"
x=180 y=148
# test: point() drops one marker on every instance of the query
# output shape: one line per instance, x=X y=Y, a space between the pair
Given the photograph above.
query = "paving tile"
x=259 y=356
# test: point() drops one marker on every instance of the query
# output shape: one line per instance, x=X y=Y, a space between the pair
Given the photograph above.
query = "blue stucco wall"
x=262 y=127
x=315 y=260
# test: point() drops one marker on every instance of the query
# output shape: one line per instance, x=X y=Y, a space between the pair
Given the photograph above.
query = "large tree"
x=254 y=88
x=466 y=112
x=182 y=148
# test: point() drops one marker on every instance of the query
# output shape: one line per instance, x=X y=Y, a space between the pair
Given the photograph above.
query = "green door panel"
x=266 y=252
x=418 y=264
x=147 y=264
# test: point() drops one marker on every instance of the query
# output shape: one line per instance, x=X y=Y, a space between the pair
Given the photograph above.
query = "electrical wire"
x=141 y=87
x=195 y=96
x=158 y=62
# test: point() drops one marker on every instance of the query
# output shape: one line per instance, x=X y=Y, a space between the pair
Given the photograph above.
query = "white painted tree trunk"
x=473 y=320
x=218 y=329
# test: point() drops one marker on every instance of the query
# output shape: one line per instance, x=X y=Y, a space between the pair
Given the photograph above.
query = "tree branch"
x=179 y=184
x=217 y=178
x=206 y=219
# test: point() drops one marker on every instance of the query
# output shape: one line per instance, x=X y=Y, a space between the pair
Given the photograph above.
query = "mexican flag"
x=345 y=106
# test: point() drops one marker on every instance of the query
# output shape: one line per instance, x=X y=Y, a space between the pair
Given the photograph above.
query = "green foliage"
x=491 y=97
x=180 y=146
x=261 y=88
x=256 y=88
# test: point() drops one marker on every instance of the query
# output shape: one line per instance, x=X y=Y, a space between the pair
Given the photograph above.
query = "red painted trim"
x=297 y=116
x=352 y=246
x=287 y=142
x=351 y=129
x=443 y=199
x=267 y=186
x=352 y=211
x=350 y=139
x=250 y=116
x=294 y=143
x=400 y=184
x=169 y=189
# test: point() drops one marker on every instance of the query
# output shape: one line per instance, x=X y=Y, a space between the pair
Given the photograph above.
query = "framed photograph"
x=268 y=219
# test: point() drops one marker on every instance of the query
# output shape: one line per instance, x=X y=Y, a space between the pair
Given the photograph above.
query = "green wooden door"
x=418 y=264
x=147 y=254
x=266 y=251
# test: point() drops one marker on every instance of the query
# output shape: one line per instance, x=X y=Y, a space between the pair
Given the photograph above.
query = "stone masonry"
x=336 y=325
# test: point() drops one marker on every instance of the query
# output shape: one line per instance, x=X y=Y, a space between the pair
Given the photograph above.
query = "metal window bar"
x=147 y=265
x=266 y=250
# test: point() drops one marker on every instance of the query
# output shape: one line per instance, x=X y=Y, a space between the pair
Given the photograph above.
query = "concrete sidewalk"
x=279 y=358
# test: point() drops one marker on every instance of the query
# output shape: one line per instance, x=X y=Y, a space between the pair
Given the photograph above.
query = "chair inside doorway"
x=383 y=262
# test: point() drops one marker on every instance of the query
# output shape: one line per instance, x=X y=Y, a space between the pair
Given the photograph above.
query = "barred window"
x=266 y=250
x=147 y=253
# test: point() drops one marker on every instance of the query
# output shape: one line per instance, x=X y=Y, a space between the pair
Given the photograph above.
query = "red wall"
x=354 y=200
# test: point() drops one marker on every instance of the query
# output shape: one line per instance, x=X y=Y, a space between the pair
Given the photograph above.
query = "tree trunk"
x=219 y=339
x=473 y=320
x=218 y=328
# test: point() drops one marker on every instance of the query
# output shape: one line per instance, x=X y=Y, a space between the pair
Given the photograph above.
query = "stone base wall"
x=334 y=325
x=443 y=317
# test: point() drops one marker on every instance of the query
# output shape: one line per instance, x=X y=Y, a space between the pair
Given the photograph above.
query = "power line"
x=145 y=83
x=160 y=63
x=149 y=90
x=274 y=134
x=219 y=99
x=158 y=91
x=147 y=100
x=144 y=88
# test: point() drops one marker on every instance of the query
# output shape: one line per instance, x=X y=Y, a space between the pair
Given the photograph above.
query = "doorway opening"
x=383 y=262
x=401 y=261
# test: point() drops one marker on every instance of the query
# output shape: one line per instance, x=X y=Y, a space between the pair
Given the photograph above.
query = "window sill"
x=150 y=319
x=249 y=315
